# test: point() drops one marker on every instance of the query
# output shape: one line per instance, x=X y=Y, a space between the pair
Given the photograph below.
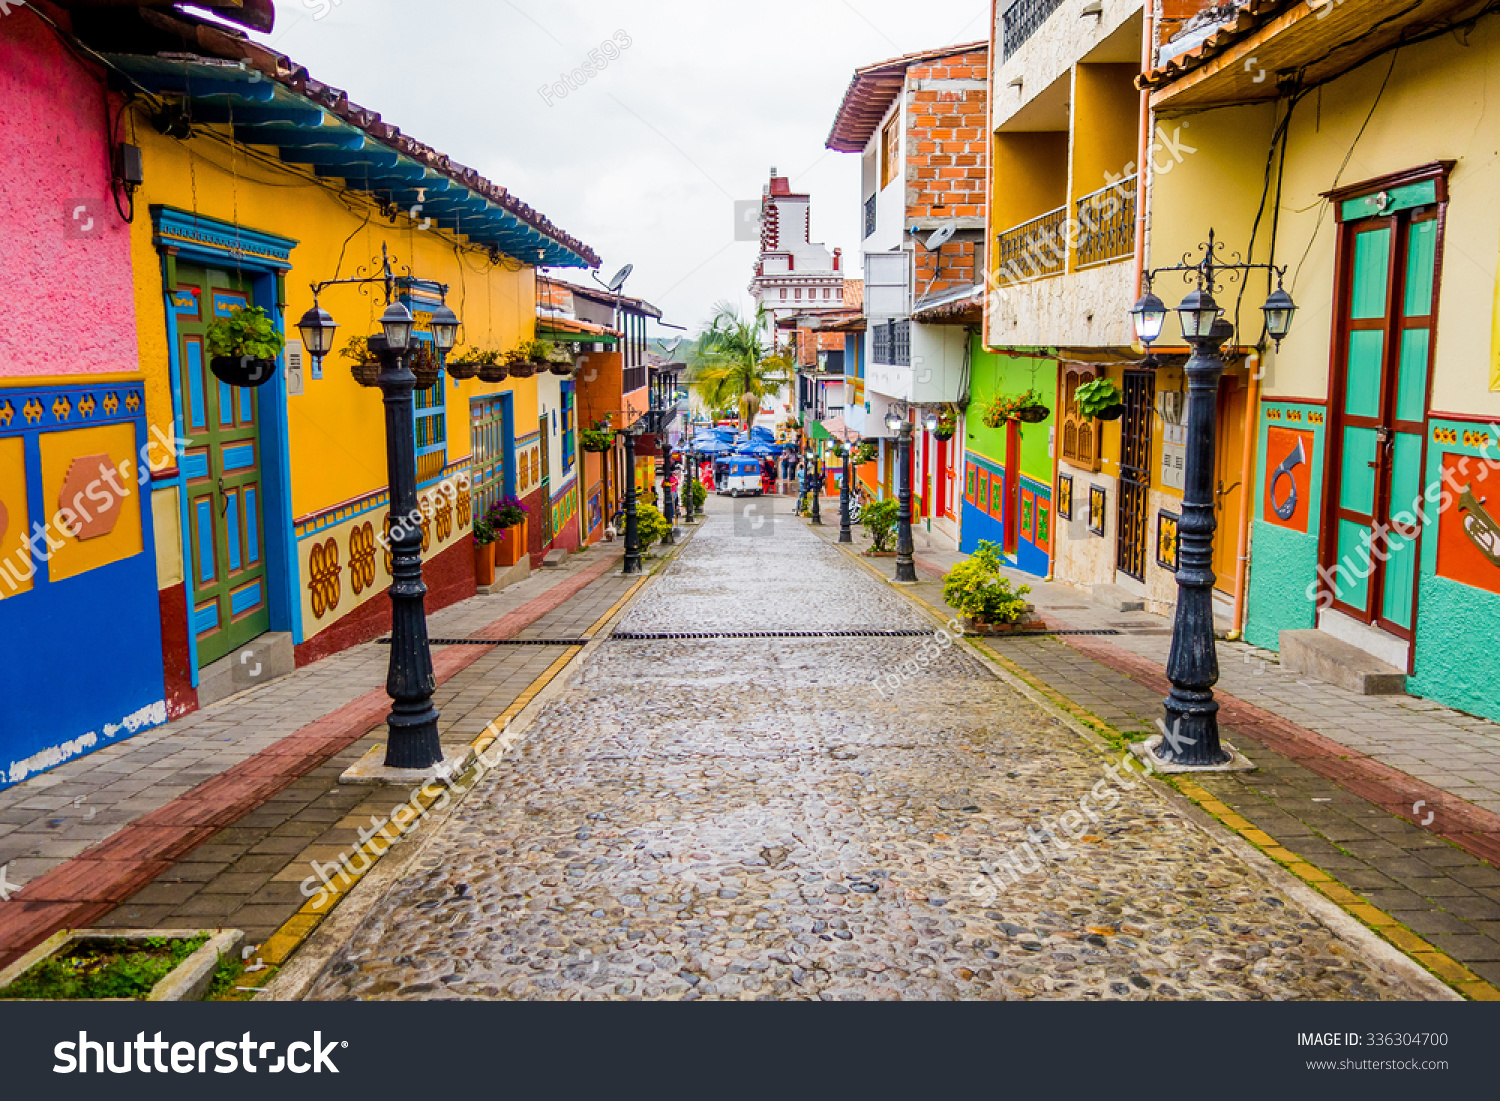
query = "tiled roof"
x=873 y=90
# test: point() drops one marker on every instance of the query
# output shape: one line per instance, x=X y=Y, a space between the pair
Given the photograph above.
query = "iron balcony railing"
x=1106 y=224
x=1033 y=249
x=870 y=214
x=1020 y=21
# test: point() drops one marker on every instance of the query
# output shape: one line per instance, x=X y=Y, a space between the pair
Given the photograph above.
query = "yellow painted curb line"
x=1445 y=967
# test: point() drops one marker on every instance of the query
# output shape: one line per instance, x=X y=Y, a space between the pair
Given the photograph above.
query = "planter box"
x=1028 y=623
x=513 y=547
x=187 y=982
x=484 y=563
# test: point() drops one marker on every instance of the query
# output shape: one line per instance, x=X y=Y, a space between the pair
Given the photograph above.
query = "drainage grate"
x=1051 y=634
x=499 y=641
x=632 y=636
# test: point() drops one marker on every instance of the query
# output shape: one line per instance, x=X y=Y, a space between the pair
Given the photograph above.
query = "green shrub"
x=879 y=520
x=700 y=495
x=650 y=524
x=976 y=589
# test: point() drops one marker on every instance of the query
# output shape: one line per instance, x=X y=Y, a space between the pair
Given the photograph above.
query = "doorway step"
x=1318 y=654
x=257 y=662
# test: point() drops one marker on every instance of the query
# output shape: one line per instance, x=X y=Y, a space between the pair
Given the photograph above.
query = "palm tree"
x=733 y=366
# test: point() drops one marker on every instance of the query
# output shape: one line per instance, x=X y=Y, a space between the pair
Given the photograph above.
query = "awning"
x=833 y=428
x=317 y=128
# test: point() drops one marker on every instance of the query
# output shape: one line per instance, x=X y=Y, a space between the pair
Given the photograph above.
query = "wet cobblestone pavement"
x=749 y=818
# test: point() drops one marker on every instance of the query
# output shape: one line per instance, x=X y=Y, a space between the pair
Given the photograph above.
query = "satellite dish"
x=941 y=237
x=620 y=276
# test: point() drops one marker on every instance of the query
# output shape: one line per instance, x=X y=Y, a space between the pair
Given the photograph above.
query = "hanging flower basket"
x=493 y=372
x=242 y=371
x=366 y=373
x=1033 y=414
x=463 y=370
x=521 y=368
x=1101 y=399
x=943 y=435
x=562 y=370
x=598 y=439
x=425 y=364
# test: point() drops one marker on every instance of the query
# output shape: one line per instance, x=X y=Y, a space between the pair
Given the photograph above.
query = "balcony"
x=891 y=343
x=1020 y=21
x=1033 y=249
x=1106 y=225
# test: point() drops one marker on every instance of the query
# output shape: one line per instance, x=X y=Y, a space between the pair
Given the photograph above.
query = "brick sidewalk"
x=1330 y=795
x=209 y=817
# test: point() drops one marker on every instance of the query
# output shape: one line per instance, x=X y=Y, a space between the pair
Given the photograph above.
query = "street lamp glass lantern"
x=1279 y=309
x=1149 y=315
x=931 y=421
x=893 y=420
x=318 y=328
x=444 y=329
x=397 y=323
x=1198 y=313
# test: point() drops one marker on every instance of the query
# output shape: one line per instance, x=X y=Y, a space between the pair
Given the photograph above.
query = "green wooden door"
x=221 y=468
x=545 y=424
x=1384 y=362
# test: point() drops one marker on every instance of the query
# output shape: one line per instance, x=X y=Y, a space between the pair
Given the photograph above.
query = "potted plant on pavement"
x=508 y=518
x=650 y=524
x=485 y=537
x=879 y=520
x=986 y=600
x=243 y=347
x=1100 y=399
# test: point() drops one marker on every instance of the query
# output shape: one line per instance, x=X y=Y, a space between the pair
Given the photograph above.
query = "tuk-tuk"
x=738 y=476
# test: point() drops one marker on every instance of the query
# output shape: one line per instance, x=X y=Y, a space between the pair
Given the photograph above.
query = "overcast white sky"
x=646 y=160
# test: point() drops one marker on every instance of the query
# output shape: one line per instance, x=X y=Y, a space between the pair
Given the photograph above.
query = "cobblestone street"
x=742 y=818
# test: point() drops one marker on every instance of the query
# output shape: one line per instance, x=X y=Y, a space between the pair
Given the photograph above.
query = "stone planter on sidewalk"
x=189 y=981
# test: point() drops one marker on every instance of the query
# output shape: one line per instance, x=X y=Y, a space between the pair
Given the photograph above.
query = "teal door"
x=226 y=563
x=1383 y=362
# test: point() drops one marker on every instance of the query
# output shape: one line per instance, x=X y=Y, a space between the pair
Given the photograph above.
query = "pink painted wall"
x=68 y=283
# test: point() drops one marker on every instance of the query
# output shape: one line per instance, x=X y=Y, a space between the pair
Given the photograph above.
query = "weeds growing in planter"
x=87 y=973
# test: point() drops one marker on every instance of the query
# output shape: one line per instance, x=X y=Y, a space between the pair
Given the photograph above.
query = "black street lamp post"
x=669 y=501
x=413 y=741
x=815 y=484
x=632 y=530
x=689 y=480
x=846 y=534
x=1192 y=727
x=906 y=565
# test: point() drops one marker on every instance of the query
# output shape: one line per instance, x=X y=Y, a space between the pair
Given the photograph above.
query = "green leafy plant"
x=486 y=533
x=506 y=514
x=600 y=437
x=249 y=332
x=650 y=524
x=865 y=452
x=1010 y=407
x=89 y=973
x=1097 y=395
x=880 y=520
x=535 y=351
x=976 y=589
x=357 y=350
x=947 y=423
x=700 y=495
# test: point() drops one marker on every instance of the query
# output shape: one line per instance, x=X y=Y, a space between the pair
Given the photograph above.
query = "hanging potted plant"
x=599 y=438
x=243 y=347
x=947 y=424
x=485 y=537
x=492 y=368
x=1100 y=399
x=463 y=365
x=1026 y=408
x=559 y=359
x=519 y=361
x=425 y=364
x=364 y=366
x=864 y=452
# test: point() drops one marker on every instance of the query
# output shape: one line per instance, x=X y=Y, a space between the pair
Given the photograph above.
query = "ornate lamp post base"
x=632 y=529
x=846 y=535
